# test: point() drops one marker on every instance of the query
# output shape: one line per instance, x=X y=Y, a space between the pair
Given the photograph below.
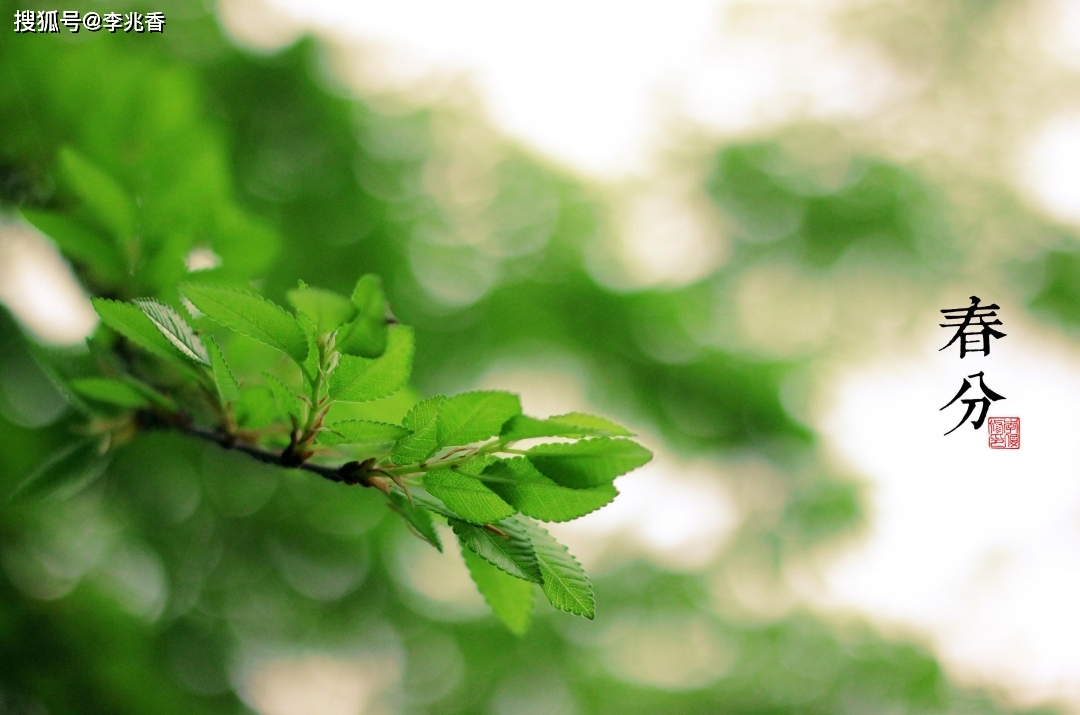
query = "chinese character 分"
x=988 y=397
x=973 y=330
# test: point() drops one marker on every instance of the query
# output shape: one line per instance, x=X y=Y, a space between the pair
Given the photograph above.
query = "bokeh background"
x=728 y=224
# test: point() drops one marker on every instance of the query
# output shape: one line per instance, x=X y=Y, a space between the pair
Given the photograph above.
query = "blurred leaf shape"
x=326 y=309
x=511 y=599
x=572 y=424
x=780 y=206
x=1058 y=294
x=65 y=472
x=120 y=393
x=418 y=519
x=106 y=200
x=82 y=245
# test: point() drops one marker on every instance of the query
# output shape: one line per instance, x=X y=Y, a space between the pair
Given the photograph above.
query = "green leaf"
x=175 y=329
x=158 y=398
x=111 y=392
x=476 y=466
x=65 y=472
x=475 y=416
x=227 y=386
x=422 y=423
x=362 y=432
x=369 y=298
x=512 y=553
x=525 y=427
x=310 y=367
x=427 y=501
x=251 y=315
x=326 y=309
x=105 y=199
x=127 y=393
x=257 y=407
x=416 y=517
x=572 y=424
x=133 y=324
x=588 y=463
x=162 y=261
x=365 y=336
x=591 y=425
x=470 y=499
x=49 y=361
x=510 y=598
x=533 y=494
x=80 y=244
x=357 y=379
x=564 y=581
x=287 y=402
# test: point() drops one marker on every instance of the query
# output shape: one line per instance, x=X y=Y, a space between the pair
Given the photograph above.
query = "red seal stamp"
x=1004 y=432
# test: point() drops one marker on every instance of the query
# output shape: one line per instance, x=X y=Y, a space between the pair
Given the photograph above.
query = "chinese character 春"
x=973 y=331
x=988 y=397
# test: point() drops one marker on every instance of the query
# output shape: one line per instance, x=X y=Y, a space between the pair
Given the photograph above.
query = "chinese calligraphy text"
x=49 y=21
x=974 y=326
x=984 y=401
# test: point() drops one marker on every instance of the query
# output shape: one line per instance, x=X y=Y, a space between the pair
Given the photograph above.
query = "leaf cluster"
x=452 y=458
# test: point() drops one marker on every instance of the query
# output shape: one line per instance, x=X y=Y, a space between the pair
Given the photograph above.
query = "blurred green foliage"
x=1058 y=296
x=878 y=210
x=147 y=592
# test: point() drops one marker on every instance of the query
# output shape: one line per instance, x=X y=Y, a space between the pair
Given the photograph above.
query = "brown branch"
x=349 y=473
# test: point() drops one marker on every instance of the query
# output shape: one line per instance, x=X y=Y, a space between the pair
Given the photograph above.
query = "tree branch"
x=348 y=473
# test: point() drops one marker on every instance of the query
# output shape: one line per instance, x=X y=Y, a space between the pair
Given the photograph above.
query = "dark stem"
x=348 y=473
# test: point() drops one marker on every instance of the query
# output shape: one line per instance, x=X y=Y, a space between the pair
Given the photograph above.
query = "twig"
x=348 y=473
